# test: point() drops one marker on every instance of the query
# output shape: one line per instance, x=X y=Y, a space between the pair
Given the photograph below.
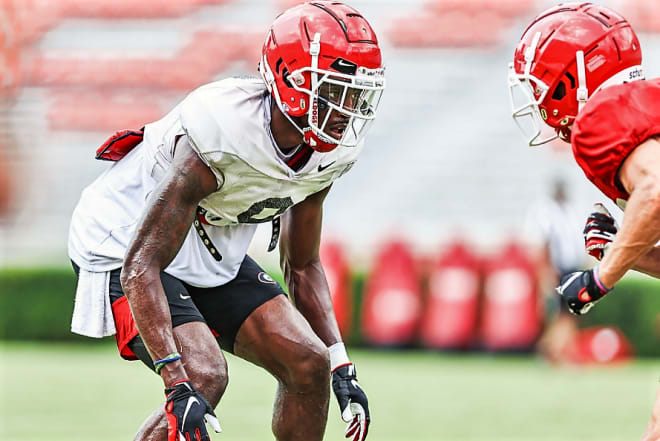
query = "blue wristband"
x=159 y=364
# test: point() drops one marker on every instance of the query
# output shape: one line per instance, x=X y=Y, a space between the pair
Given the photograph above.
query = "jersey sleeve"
x=614 y=122
x=203 y=130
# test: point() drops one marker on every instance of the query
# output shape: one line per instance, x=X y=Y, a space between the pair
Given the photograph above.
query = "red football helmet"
x=567 y=54
x=323 y=56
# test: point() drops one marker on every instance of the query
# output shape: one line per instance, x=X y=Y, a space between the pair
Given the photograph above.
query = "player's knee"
x=311 y=369
x=209 y=377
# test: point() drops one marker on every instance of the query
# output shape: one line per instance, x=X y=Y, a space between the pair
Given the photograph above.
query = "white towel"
x=92 y=312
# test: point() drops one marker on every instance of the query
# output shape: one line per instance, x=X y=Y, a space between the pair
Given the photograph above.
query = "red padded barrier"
x=338 y=275
x=451 y=309
x=511 y=309
x=599 y=345
x=392 y=301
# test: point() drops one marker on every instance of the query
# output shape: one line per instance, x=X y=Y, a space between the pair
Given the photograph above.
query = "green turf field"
x=66 y=392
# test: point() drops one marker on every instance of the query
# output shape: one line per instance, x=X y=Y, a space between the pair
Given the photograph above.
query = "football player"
x=159 y=240
x=577 y=70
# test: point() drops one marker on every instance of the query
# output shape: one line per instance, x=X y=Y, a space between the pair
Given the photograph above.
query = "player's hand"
x=186 y=411
x=599 y=231
x=353 y=403
x=581 y=290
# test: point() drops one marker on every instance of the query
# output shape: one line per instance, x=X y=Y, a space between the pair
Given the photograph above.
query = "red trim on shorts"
x=126 y=329
x=214 y=332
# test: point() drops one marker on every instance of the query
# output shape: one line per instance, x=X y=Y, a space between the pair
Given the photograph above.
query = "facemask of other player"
x=526 y=93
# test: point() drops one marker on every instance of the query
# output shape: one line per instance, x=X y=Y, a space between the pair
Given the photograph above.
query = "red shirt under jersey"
x=610 y=126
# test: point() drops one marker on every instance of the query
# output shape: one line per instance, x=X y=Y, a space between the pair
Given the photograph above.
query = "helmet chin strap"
x=269 y=78
x=530 y=53
x=315 y=140
x=313 y=113
x=582 y=91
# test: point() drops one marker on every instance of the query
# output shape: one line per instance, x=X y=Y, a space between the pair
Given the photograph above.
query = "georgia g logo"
x=265 y=278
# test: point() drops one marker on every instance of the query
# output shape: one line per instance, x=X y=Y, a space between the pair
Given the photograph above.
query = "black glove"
x=186 y=410
x=599 y=231
x=353 y=403
x=581 y=290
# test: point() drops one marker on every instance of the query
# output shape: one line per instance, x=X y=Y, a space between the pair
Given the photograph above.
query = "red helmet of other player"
x=321 y=59
x=567 y=54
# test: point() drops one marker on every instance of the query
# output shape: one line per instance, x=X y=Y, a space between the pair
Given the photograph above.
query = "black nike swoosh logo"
x=323 y=167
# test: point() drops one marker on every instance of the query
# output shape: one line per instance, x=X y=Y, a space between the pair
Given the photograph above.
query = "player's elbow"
x=134 y=275
x=650 y=192
x=289 y=264
x=128 y=279
x=288 y=270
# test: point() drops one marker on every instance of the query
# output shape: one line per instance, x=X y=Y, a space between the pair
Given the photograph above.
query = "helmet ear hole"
x=285 y=77
x=571 y=78
x=560 y=91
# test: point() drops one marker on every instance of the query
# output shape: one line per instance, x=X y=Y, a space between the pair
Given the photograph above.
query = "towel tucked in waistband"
x=92 y=312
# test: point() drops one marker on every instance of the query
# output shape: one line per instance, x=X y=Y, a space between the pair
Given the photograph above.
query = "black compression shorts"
x=223 y=308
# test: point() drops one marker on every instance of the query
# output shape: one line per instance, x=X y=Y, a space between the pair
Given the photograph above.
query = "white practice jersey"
x=228 y=125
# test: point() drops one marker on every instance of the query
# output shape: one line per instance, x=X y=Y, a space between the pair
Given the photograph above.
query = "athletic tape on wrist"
x=338 y=356
x=159 y=364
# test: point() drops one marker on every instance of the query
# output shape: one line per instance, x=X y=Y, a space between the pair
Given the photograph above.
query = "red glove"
x=599 y=231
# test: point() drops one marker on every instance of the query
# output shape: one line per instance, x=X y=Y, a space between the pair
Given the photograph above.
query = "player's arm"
x=301 y=265
x=160 y=233
x=599 y=232
x=308 y=287
x=649 y=263
x=640 y=230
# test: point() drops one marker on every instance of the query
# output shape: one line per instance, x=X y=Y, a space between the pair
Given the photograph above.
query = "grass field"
x=85 y=392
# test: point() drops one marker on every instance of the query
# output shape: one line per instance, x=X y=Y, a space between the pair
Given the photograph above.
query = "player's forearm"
x=160 y=234
x=151 y=312
x=649 y=263
x=309 y=290
x=638 y=235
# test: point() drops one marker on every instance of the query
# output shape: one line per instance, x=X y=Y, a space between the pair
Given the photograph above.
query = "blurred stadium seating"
x=457 y=23
x=643 y=14
x=73 y=71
